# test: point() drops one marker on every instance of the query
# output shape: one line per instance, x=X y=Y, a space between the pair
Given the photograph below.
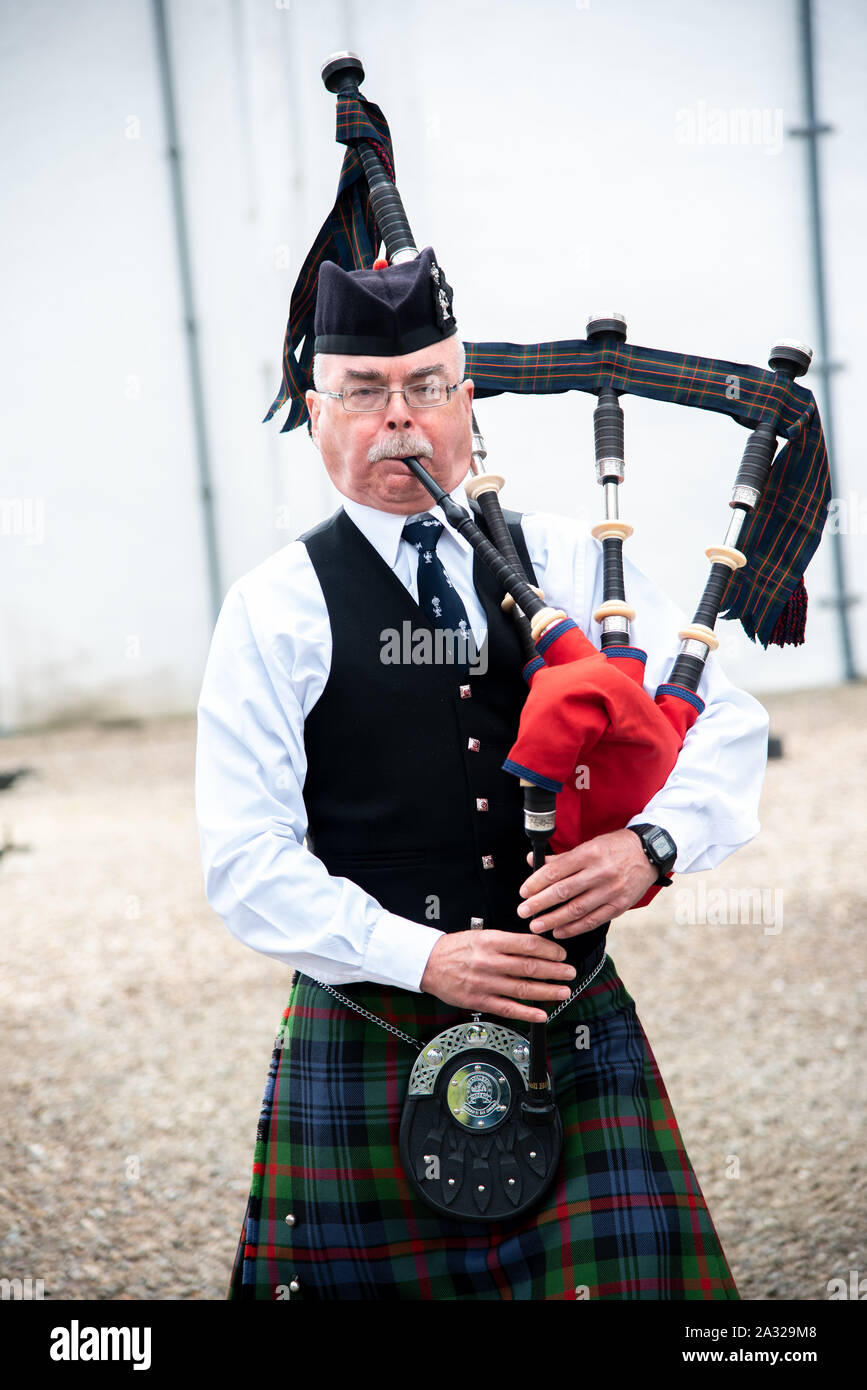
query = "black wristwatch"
x=659 y=848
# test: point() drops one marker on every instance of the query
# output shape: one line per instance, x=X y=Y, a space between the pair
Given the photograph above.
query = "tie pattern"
x=436 y=593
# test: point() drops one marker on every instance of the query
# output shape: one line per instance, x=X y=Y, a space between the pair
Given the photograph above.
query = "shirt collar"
x=384 y=529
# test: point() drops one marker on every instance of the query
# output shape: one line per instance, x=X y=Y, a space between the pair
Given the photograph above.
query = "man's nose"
x=397 y=413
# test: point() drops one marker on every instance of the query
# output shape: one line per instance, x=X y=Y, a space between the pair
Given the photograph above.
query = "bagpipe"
x=480 y=1099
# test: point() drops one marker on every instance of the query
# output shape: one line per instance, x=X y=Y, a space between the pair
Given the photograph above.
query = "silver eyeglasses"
x=421 y=396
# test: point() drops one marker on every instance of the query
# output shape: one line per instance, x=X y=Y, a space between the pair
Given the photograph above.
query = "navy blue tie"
x=436 y=594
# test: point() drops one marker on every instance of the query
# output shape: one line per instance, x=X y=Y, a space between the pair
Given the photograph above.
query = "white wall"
x=539 y=150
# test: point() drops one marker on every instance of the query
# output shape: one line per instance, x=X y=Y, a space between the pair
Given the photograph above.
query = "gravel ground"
x=136 y=1032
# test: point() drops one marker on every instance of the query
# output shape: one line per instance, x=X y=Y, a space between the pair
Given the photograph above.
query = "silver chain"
x=583 y=985
x=404 y=1037
x=372 y=1018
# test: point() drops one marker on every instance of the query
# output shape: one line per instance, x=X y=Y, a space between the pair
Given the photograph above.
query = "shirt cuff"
x=398 y=951
x=694 y=853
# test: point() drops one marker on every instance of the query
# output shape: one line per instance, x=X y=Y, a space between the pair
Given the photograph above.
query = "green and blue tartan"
x=625 y=1220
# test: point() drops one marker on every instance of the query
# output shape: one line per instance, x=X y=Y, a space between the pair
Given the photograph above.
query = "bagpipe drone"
x=480 y=1099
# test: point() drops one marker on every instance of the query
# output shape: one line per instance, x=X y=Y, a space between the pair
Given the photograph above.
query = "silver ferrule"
x=693 y=648
x=744 y=497
x=540 y=822
x=735 y=526
x=615 y=625
x=400 y=257
x=610 y=468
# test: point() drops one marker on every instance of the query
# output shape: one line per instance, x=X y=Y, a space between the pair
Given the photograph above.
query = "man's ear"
x=314 y=405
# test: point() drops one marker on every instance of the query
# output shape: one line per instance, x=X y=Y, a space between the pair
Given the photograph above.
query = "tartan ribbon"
x=781 y=536
x=348 y=236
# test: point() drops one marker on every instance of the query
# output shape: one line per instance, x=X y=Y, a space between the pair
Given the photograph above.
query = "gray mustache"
x=400 y=446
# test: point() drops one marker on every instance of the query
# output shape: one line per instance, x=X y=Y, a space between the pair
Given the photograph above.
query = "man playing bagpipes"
x=358 y=823
x=394 y=774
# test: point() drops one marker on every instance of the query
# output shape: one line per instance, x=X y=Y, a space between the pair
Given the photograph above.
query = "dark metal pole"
x=193 y=357
x=825 y=367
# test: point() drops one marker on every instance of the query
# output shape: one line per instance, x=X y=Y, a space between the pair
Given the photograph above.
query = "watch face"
x=662 y=844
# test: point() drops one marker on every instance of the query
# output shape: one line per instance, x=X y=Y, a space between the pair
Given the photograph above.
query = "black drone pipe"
x=342 y=74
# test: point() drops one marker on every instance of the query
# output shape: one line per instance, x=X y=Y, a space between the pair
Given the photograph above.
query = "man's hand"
x=588 y=885
x=489 y=971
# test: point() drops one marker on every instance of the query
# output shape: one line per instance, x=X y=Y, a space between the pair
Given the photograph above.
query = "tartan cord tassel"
x=348 y=236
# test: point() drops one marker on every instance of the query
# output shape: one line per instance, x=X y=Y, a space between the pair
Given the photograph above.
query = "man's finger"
x=593 y=919
x=565 y=891
x=523 y=989
x=556 y=866
x=533 y=967
x=500 y=1007
x=514 y=943
x=575 y=913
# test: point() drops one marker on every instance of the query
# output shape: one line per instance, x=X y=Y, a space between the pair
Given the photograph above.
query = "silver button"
x=473 y=745
x=294 y=1286
x=476 y=923
x=487 y=861
x=466 y=691
x=290 y=1220
x=481 y=803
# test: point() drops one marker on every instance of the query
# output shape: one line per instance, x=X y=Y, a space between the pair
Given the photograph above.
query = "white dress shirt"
x=268 y=664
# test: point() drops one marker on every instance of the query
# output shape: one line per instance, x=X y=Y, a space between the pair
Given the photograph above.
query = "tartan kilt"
x=625 y=1218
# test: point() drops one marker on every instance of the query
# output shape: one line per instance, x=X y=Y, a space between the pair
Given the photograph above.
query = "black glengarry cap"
x=383 y=313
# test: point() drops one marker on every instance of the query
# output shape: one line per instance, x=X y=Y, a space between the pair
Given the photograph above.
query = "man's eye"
x=361 y=393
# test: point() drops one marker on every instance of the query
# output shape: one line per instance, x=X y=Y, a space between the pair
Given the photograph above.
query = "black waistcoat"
x=405 y=792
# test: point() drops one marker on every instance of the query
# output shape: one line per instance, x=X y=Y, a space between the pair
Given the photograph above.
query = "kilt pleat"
x=625 y=1218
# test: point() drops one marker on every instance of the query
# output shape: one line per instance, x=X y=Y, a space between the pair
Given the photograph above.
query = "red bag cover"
x=592 y=732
